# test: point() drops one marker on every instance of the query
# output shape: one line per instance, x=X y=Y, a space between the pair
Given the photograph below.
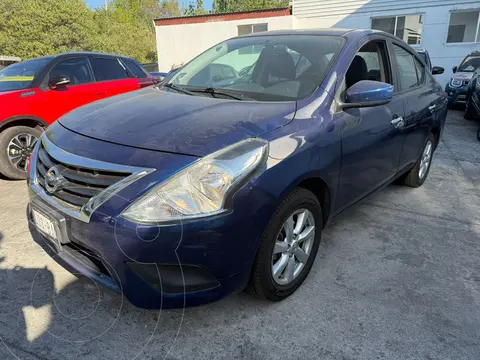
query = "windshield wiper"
x=177 y=88
x=213 y=91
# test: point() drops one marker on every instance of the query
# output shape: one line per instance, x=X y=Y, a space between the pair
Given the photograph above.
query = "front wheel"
x=417 y=176
x=288 y=247
x=16 y=145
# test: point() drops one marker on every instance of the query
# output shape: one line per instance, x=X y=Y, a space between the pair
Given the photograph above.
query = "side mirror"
x=58 y=82
x=437 y=70
x=367 y=93
x=454 y=69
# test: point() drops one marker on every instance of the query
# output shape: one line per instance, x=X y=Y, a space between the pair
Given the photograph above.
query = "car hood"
x=165 y=121
x=461 y=75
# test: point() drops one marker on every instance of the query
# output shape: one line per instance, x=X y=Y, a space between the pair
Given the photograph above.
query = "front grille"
x=82 y=183
x=466 y=82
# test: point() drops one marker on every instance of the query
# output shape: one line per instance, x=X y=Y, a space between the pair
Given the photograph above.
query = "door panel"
x=112 y=76
x=115 y=87
x=419 y=94
x=371 y=148
x=80 y=91
x=418 y=122
x=65 y=99
x=371 y=144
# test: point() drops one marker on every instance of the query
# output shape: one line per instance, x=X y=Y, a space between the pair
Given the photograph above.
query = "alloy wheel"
x=293 y=245
x=19 y=150
x=425 y=159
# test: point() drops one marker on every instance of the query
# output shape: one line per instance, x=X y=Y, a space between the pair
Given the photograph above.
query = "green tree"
x=32 y=28
x=221 y=6
x=169 y=8
x=195 y=8
x=123 y=29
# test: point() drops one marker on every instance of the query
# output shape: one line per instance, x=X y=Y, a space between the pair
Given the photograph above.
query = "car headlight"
x=456 y=82
x=202 y=188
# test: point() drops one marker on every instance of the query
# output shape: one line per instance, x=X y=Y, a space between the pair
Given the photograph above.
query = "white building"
x=448 y=29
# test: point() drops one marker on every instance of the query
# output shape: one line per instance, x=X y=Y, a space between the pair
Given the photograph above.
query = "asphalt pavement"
x=397 y=277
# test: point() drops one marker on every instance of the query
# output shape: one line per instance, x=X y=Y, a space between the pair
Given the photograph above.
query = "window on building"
x=464 y=27
x=407 y=69
x=251 y=29
x=108 y=69
x=408 y=28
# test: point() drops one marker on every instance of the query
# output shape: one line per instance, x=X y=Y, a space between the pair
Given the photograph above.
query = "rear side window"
x=420 y=71
x=76 y=69
x=406 y=68
x=135 y=68
x=108 y=69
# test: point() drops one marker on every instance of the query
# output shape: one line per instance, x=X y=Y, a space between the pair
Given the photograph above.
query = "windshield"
x=20 y=76
x=265 y=68
x=470 y=64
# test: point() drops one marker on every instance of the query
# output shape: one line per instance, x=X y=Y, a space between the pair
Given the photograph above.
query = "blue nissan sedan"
x=222 y=177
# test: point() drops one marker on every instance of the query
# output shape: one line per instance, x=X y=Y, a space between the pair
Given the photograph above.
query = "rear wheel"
x=478 y=134
x=288 y=246
x=470 y=112
x=16 y=145
x=417 y=176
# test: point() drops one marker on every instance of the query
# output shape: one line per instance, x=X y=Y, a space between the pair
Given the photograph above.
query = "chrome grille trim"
x=84 y=212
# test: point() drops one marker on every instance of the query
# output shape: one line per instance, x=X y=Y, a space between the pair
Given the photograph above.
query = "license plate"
x=44 y=224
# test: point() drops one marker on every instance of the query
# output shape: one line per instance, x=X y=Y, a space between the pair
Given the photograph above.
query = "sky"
x=96 y=3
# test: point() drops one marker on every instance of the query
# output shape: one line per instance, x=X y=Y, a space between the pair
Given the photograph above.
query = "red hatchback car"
x=35 y=93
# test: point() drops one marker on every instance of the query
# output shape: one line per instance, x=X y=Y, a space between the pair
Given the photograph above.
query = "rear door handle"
x=432 y=108
x=100 y=93
x=397 y=122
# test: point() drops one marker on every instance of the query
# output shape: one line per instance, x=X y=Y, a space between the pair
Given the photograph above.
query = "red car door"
x=112 y=76
x=80 y=90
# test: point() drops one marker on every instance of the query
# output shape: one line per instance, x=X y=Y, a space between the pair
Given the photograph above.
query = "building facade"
x=448 y=29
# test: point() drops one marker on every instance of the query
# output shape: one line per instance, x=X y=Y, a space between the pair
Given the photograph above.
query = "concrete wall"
x=434 y=33
x=178 y=44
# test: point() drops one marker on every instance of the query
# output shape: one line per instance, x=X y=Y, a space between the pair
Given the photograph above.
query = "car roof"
x=328 y=31
x=87 y=53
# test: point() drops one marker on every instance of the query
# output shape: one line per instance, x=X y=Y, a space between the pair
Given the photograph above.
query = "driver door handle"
x=432 y=108
x=397 y=122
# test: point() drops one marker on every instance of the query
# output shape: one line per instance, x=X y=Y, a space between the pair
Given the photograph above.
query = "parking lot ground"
x=397 y=277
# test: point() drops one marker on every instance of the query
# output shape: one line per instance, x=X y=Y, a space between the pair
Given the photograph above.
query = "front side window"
x=370 y=63
x=108 y=69
x=406 y=69
x=470 y=64
x=75 y=69
x=286 y=68
x=408 y=27
x=20 y=76
x=464 y=27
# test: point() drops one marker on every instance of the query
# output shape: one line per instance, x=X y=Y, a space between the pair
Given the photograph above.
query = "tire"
x=7 y=168
x=262 y=283
x=478 y=134
x=413 y=178
x=470 y=112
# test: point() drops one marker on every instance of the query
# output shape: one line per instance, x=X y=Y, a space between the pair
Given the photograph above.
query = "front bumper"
x=456 y=94
x=154 y=267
